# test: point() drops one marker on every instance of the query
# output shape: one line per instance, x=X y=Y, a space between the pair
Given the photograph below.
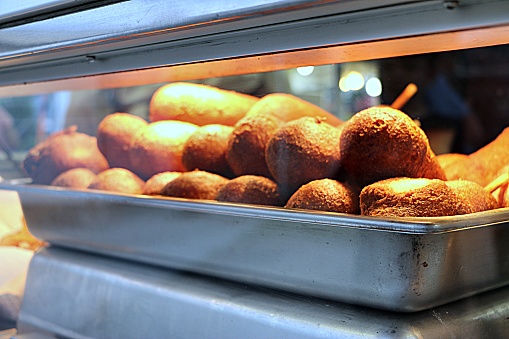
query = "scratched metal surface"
x=76 y=295
x=394 y=264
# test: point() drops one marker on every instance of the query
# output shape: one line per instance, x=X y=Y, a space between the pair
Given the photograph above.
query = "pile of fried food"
x=203 y=142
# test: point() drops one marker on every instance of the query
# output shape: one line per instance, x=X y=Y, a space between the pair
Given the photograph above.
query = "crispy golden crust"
x=195 y=185
x=251 y=189
x=288 y=107
x=156 y=183
x=421 y=197
x=382 y=142
x=325 y=195
x=199 y=104
x=475 y=196
x=482 y=166
x=158 y=147
x=206 y=150
x=409 y=197
x=303 y=150
x=247 y=144
x=119 y=180
x=114 y=137
x=452 y=164
x=75 y=178
x=61 y=152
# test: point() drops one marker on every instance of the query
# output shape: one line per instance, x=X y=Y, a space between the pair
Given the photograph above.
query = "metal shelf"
x=267 y=35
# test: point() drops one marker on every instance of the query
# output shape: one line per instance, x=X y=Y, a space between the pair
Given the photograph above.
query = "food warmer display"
x=129 y=264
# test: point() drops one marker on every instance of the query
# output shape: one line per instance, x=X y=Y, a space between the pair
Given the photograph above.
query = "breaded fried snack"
x=288 y=107
x=303 y=150
x=155 y=184
x=247 y=144
x=452 y=163
x=474 y=195
x=195 y=185
x=482 y=166
x=75 y=178
x=114 y=137
x=325 y=195
x=206 y=150
x=158 y=147
x=251 y=189
x=499 y=186
x=119 y=180
x=382 y=142
x=63 y=151
x=447 y=159
x=421 y=197
x=199 y=104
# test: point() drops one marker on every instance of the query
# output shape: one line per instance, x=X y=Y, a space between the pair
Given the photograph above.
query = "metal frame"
x=258 y=35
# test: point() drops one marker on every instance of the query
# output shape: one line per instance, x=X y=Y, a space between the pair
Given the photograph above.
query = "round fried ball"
x=75 y=178
x=63 y=151
x=382 y=142
x=303 y=150
x=114 y=137
x=195 y=185
x=158 y=147
x=251 y=189
x=325 y=195
x=247 y=144
x=206 y=150
x=119 y=180
x=156 y=183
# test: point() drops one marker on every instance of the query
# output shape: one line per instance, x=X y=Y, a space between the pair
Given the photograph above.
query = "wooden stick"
x=403 y=98
x=497 y=182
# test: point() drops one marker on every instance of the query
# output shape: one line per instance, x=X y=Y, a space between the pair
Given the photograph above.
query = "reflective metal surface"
x=383 y=263
x=28 y=335
x=76 y=295
x=22 y=11
x=232 y=39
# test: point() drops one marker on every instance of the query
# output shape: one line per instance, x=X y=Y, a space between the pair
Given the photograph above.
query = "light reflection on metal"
x=370 y=50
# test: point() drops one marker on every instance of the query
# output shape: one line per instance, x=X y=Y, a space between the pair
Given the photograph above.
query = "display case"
x=130 y=265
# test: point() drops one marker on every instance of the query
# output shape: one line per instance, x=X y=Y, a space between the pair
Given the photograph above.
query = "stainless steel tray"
x=393 y=264
x=76 y=295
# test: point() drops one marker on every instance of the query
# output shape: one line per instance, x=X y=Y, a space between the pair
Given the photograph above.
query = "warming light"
x=374 y=87
x=305 y=70
x=353 y=81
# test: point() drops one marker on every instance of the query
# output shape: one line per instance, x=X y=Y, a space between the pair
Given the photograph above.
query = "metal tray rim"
x=410 y=225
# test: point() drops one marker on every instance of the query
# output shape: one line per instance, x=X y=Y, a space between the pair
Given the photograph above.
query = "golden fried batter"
x=195 y=185
x=381 y=142
x=251 y=189
x=325 y=195
x=421 y=197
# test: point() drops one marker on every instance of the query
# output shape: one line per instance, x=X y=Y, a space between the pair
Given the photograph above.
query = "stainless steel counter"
x=78 y=295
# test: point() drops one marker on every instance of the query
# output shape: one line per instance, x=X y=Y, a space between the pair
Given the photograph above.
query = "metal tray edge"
x=414 y=225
